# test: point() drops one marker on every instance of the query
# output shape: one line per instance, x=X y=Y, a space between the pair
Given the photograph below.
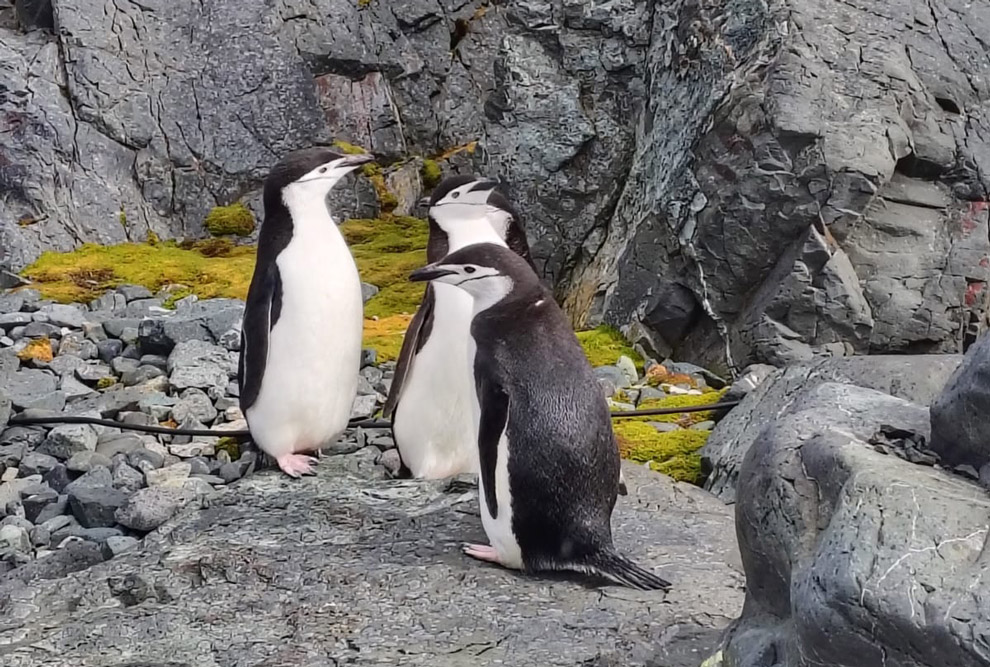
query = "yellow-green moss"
x=348 y=149
x=385 y=335
x=229 y=445
x=105 y=383
x=431 y=173
x=235 y=219
x=37 y=350
x=604 y=345
x=673 y=453
x=679 y=401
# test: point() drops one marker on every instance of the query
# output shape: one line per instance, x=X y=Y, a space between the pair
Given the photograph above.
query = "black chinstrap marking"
x=356 y=423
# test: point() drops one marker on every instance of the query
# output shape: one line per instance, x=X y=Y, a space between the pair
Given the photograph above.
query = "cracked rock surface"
x=853 y=558
x=745 y=181
x=349 y=568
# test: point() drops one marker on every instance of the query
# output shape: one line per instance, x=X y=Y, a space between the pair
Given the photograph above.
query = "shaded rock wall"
x=730 y=180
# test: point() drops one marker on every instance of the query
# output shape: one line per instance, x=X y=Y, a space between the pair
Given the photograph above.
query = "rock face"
x=312 y=587
x=853 y=558
x=730 y=177
x=959 y=414
x=919 y=379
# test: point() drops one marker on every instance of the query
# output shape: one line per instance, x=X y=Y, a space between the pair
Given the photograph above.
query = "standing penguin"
x=430 y=392
x=302 y=328
x=549 y=465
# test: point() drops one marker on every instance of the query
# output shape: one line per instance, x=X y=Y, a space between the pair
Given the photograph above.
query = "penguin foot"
x=295 y=465
x=482 y=552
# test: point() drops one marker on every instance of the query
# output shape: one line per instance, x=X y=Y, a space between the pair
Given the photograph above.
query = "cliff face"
x=740 y=180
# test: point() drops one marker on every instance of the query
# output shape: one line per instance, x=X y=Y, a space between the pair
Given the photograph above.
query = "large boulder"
x=855 y=558
x=959 y=414
x=350 y=567
x=918 y=378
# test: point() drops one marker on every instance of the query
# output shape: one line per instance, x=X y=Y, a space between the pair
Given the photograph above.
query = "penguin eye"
x=468 y=269
x=455 y=195
x=323 y=170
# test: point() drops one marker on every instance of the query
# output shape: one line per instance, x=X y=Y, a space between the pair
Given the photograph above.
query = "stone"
x=919 y=378
x=10 y=320
x=825 y=522
x=368 y=357
x=706 y=425
x=67 y=439
x=36 y=503
x=57 y=523
x=86 y=461
x=191 y=449
x=11 y=302
x=29 y=388
x=959 y=413
x=368 y=291
x=177 y=471
x=156 y=360
x=146 y=456
x=33 y=463
x=115 y=328
x=613 y=375
x=198 y=465
x=121 y=365
x=95 y=478
x=40 y=537
x=127 y=479
x=233 y=471
x=53 y=512
x=41 y=330
x=73 y=389
x=134 y=292
x=16 y=538
x=119 y=544
x=140 y=375
x=109 y=349
x=77 y=345
x=390 y=461
x=118 y=443
x=149 y=508
x=364 y=407
x=665 y=427
x=158 y=405
x=231 y=340
x=94 y=372
x=97 y=535
x=628 y=369
x=195 y=404
x=205 y=376
x=65 y=316
x=94 y=507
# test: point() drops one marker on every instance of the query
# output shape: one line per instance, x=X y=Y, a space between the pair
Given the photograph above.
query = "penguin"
x=428 y=399
x=549 y=464
x=303 y=320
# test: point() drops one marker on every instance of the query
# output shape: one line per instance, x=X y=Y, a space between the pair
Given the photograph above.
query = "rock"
x=121 y=365
x=57 y=523
x=117 y=545
x=199 y=465
x=41 y=330
x=201 y=321
x=192 y=449
x=140 y=375
x=53 y=512
x=177 y=471
x=109 y=349
x=74 y=389
x=149 y=508
x=156 y=360
x=368 y=357
x=665 y=427
x=93 y=373
x=77 y=345
x=146 y=456
x=194 y=404
x=363 y=407
x=29 y=388
x=703 y=426
x=36 y=503
x=67 y=439
x=95 y=478
x=628 y=369
x=688 y=540
x=368 y=291
x=98 y=535
x=134 y=292
x=9 y=321
x=825 y=522
x=390 y=461
x=118 y=443
x=231 y=340
x=11 y=302
x=64 y=316
x=127 y=479
x=158 y=405
x=40 y=537
x=920 y=380
x=116 y=327
x=94 y=507
x=613 y=376
x=233 y=471
x=86 y=461
x=16 y=538
x=205 y=376
x=34 y=463
x=959 y=424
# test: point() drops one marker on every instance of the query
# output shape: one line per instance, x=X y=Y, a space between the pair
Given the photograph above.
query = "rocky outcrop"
x=744 y=181
x=959 y=414
x=855 y=558
x=919 y=379
x=349 y=567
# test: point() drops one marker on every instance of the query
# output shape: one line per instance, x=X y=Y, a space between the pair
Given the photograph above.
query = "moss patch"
x=385 y=335
x=431 y=174
x=604 y=345
x=673 y=454
x=235 y=219
x=229 y=445
x=105 y=383
x=680 y=401
x=37 y=350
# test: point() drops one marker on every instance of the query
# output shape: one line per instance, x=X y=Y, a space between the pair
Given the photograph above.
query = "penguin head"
x=460 y=199
x=486 y=271
x=312 y=171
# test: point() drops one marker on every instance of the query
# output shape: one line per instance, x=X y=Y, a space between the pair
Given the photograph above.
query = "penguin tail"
x=619 y=569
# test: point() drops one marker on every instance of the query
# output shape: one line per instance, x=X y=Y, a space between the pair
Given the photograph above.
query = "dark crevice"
x=948 y=105
x=460 y=31
x=914 y=167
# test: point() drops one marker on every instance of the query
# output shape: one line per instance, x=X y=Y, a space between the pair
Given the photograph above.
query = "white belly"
x=314 y=350
x=433 y=427
x=498 y=529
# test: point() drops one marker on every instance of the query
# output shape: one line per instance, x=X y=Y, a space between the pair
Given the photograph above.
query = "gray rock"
x=53 y=512
x=41 y=330
x=97 y=535
x=231 y=340
x=65 y=316
x=67 y=439
x=34 y=463
x=22 y=438
x=77 y=345
x=650 y=393
x=121 y=365
x=390 y=461
x=16 y=538
x=94 y=506
x=57 y=523
x=959 y=414
x=134 y=292
x=126 y=478
x=146 y=456
x=118 y=443
x=364 y=406
x=917 y=378
x=29 y=388
x=706 y=425
x=94 y=331
x=158 y=405
x=177 y=471
x=825 y=523
x=209 y=479
x=665 y=427
x=194 y=404
x=368 y=357
x=368 y=291
x=613 y=376
x=65 y=365
x=109 y=349
x=149 y=508
x=40 y=537
x=36 y=503
x=73 y=389
x=204 y=376
x=117 y=545
x=116 y=327
x=94 y=478
x=11 y=302
x=628 y=368
x=10 y=320
x=233 y=471
x=140 y=375
x=93 y=372
x=86 y=461
x=21 y=522
x=191 y=449
x=156 y=360
x=199 y=465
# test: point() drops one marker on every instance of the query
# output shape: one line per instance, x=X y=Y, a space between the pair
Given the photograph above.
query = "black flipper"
x=261 y=313
x=416 y=336
x=619 y=569
x=494 y=415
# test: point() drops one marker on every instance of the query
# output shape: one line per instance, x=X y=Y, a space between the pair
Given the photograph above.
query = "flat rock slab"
x=349 y=568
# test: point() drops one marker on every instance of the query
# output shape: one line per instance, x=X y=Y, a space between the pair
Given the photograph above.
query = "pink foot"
x=482 y=552
x=295 y=465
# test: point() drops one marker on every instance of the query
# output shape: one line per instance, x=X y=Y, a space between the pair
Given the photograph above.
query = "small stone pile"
x=92 y=491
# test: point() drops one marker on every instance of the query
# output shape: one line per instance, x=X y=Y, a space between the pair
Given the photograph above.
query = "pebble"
x=665 y=427
x=613 y=375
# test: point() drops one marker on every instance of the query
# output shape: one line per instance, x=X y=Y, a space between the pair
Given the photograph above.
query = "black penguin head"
x=486 y=271
x=311 y=172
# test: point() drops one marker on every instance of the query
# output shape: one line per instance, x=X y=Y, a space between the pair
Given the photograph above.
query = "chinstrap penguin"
x=302 y=327
x=549 y=464
x=429 y=400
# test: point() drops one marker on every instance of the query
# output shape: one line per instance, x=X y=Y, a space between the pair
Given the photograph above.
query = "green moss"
x=105 y=383
x=604 y=345
x=673 y=453
x=123 y=219
x=175 y=296
x=229 y=445
x=680 y=401
x=235 y=219
x=348 y=149
x=431 y=173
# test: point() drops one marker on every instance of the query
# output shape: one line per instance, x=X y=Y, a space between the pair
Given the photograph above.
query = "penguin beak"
x=430 y=272
x=355 y=160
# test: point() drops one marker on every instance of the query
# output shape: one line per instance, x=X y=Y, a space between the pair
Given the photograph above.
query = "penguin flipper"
x=494 y=416
x=416 y=335
x=261 y=313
